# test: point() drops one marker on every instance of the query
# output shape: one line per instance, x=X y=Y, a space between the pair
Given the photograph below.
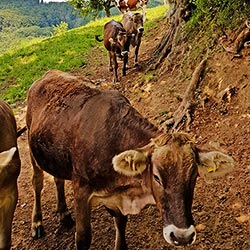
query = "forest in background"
x=23 y=20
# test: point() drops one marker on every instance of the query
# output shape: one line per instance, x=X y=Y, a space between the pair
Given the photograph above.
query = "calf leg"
x=62 y=209
x=83 y=216
x=37 y=182
x=115 y=67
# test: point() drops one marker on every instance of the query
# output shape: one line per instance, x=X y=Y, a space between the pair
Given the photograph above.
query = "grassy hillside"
x=67 y=51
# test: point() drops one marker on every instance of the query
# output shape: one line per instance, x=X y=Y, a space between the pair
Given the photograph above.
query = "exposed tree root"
x=242 y=39
x=185 y=108
x=179 y=12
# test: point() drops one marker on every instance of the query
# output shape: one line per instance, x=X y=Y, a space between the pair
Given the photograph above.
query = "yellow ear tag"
x=211 y=169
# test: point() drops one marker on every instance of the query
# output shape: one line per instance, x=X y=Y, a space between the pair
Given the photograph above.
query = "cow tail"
x=21 y=131
x=98 y=39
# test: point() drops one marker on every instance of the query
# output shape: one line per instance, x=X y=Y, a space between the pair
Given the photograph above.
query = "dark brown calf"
x=133 y=24
x=9 y=172
x=117 y=44
x=114 y=157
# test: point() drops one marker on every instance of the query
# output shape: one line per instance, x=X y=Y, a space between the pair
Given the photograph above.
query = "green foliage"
x=22 y=20
x=210 y=18
x=95 y=8
x=66 y=51
x=60 y=28
x=223 y=13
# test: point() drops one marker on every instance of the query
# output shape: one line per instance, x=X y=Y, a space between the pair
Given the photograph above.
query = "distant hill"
x=23 y=20
x=44 y=14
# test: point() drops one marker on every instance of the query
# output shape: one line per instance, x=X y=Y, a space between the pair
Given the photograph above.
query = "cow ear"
x=214 y=164
x=6 y=156
x=130 y=162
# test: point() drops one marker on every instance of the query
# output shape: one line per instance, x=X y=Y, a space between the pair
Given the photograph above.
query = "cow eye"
x=157 y=179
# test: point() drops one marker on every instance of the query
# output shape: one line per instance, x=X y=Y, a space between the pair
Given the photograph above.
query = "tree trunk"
x=107 y=7
x=179 y=12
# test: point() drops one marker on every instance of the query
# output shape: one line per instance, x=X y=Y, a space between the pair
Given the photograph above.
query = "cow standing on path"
x=133 y=24
x=116 y=42
x=113 y=156
x=9 y=172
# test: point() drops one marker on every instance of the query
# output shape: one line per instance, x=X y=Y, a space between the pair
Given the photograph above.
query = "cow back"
x=76 y=130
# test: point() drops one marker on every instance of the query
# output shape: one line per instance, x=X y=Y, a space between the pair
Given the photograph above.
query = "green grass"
x=67 y=51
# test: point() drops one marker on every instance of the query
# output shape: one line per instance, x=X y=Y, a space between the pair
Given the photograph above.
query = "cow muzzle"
x=179 y=236
x=123 y=53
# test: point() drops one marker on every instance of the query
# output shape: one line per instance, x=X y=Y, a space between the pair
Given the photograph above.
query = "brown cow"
x=117 y=44
x=104 y=146
x=133 y=24
x=9 y=172
x=128 y=5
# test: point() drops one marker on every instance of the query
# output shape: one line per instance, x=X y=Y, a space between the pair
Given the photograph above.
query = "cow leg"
x=120 y=228
x=120 y=222
x=137 y=49
x=62 y=209
x=37 y=182
x=136 y=55
x=83 y=216
x=7 y=209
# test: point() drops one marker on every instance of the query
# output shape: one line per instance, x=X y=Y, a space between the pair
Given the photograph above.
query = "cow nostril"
x=174 y=239
x=141 y=29
x=178 y=241
x=191 y=239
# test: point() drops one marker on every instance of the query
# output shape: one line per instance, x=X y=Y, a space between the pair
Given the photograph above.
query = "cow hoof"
x=38 y=232
x=136 y=65
x=68 y=222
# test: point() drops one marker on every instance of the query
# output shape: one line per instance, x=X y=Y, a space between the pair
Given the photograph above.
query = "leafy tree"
x=97 y=7
x=60 y=28
x=92 y=7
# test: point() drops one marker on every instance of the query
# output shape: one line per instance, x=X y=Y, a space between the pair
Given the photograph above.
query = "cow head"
x=121 y=42
x=172 y=164
x=137 y=19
